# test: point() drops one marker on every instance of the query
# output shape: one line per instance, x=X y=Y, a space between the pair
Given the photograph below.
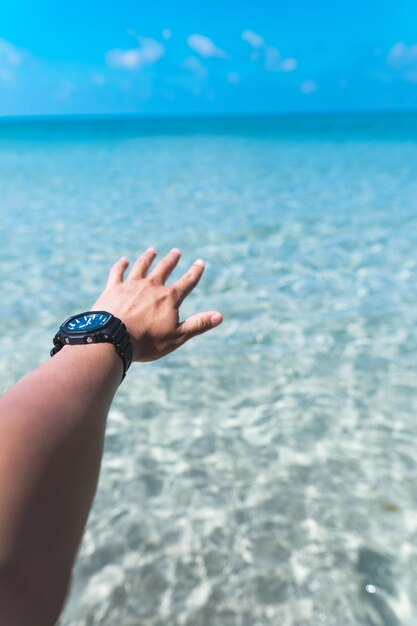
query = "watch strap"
x=115 y=332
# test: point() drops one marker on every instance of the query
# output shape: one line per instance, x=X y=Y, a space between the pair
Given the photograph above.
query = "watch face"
x=86 y=321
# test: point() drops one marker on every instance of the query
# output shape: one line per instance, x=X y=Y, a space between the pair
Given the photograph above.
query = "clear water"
x=265 y=474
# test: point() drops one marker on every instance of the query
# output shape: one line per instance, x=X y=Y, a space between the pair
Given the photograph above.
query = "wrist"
x=92 y=362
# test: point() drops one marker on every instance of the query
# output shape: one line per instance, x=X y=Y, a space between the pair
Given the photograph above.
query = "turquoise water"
x=266 y=473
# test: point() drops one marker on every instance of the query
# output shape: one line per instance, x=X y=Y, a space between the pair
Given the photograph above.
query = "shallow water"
x=266 y=473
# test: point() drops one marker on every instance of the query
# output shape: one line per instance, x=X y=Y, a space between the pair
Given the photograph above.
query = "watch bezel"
x=86 y=331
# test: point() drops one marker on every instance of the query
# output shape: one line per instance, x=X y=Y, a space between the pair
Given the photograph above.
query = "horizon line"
x=200 y=116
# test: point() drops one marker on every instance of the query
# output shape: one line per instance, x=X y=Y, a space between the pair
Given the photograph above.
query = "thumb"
x=199 y=323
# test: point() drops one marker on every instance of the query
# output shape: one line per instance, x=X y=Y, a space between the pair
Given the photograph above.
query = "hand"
x=150 y=308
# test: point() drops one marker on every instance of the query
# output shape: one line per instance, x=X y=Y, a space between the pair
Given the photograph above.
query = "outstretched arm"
x=52 y=426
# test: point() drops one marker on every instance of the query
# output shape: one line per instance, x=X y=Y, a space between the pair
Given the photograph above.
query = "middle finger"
x=164 y=268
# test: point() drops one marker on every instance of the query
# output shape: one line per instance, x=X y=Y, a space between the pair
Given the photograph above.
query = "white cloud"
x=128 y=59
x=288 y=65
x=401 y=55
x=10 y=59
x=270 y=54
x=402 y=58
x=308 y=86
x=233 y=78
x=194 y=65
x=253 y=39
x=9 y=54
x=148 y=53
x=205 y=47
x=273 y=62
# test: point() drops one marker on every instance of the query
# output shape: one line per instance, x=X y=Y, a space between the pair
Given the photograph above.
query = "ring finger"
x=164 y=268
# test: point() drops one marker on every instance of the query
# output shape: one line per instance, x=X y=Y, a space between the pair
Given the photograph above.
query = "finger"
x=184 y=285
x=142 y=264
x=164 y=268
x=117 y=271
x=198 y=324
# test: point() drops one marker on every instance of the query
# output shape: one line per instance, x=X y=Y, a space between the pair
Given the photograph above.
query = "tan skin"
x=52 y=426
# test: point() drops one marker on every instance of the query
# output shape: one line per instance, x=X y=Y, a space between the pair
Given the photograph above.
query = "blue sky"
x=181 y=57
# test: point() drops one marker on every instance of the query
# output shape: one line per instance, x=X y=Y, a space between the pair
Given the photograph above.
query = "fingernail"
x=216 y=318
x=200 y=262
x=176 y=250
x=124 y=258
x=153 y=250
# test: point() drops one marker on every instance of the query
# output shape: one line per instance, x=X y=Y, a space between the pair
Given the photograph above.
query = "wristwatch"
x=95 y=327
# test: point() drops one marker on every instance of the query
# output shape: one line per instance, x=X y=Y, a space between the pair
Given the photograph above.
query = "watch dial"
x=88 y=321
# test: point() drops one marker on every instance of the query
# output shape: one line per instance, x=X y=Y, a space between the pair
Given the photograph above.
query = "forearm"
x=52 y=427
x=51 y=437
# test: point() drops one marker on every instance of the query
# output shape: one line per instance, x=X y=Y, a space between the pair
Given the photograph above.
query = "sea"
x=266 y=473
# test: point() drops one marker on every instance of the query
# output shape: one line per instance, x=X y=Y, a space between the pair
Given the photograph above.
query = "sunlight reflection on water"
x=266 y=473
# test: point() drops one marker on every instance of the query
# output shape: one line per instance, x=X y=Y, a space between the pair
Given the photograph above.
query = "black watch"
x=95 y=327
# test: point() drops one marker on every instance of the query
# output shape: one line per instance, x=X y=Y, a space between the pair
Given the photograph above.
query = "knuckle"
x=201 y=325
x=172 y=292
x=190 y=277
x=160 y=296
x=180 y=339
